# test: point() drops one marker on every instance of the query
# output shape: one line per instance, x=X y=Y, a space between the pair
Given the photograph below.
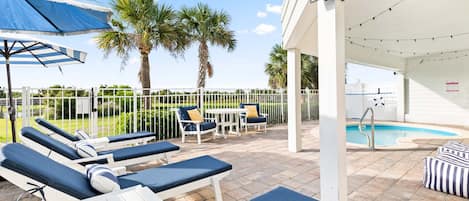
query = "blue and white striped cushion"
x=82 y=135
x=85 y=149
x=447 y=173
x=102 y=178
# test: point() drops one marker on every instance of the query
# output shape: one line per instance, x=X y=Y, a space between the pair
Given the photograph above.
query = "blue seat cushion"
x=283 y=194
x=130 y=136
x=141 y=150
x=183 y=112
x=49 y=142
x=23 y=160
x=257 y=120
x=57 y=130
x=176 y=174
x=203 y=126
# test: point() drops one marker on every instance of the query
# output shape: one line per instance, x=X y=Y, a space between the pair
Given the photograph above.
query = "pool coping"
x=407 y=142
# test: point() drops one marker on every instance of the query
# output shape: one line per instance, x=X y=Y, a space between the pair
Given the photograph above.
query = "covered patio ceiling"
x=387 y=32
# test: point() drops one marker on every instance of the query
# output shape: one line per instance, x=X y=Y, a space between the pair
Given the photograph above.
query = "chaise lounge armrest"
x=108 y=157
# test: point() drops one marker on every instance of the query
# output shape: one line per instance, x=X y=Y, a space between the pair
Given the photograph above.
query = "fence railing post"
x=308 y=101
x=248 y=96
x=282 y=109
x=94 y=112
x=135 y=110
x=25 y=106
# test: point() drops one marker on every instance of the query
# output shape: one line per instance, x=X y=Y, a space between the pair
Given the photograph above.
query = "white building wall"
x=428 y=98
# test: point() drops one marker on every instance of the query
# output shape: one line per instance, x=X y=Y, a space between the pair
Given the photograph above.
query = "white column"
x=331 y=52
x=400 y=95
x=294 y=104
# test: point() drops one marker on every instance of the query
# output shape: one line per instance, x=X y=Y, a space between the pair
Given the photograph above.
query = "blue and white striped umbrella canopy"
x=25 y=51
x=54 y=17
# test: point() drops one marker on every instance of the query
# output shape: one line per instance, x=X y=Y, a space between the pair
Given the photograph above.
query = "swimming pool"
x=386 y=135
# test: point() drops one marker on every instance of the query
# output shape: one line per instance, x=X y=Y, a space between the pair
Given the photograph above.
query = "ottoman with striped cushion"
x=447 y=173
x=455 y=148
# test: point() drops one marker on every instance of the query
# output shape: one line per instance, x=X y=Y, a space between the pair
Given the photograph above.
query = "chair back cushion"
x=56 y=130
x=85 y=149
x=49 y=142
x=102 y=178
x=251 y=111
x=23 y=160
x=183 y=112
x=195 y=115
x=243 y=106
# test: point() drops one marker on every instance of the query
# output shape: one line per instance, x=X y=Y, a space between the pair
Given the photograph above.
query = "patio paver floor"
x=261 y=162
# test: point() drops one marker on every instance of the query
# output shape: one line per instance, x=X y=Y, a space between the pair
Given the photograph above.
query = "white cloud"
x=92 y=42
x=263 y=29
x=261 y=14
x=273 y=8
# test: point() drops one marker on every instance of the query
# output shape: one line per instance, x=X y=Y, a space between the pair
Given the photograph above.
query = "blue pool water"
x=386 y=135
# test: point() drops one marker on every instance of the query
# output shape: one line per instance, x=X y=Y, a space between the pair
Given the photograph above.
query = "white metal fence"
x=110 y=111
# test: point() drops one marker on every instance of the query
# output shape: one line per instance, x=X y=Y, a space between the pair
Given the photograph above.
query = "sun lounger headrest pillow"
x=85 y=149
x=102 y=178
x=82 y=135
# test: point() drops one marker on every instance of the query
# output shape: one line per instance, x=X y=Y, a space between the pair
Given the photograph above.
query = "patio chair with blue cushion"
x=104 y=143
x=30 y=170
x=283 y=194
x=251 y=117
x=198 y=126
x=123 y=157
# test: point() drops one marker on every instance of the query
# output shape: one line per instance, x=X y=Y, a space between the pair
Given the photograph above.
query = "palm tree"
x=276 y=68
x=142 y=25
x=206 y=26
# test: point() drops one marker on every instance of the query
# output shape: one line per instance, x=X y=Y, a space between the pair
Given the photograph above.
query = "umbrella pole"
x=11 y=108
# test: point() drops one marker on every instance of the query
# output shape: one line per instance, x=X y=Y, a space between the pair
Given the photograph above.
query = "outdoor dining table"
x=227 y=117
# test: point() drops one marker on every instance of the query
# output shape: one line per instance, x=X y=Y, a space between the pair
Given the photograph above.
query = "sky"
x=258 y=29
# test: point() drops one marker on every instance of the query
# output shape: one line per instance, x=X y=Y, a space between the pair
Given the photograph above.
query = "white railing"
x=110 y=111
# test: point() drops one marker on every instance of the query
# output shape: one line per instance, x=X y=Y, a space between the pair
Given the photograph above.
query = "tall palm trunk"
x=144 y=76
x=203 y=64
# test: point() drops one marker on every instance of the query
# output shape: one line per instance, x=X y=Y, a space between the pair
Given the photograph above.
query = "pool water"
x=386 y=135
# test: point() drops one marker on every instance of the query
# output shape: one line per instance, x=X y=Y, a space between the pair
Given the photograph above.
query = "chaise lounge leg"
x=183 y=138
x=217 y=190
x=199 y=139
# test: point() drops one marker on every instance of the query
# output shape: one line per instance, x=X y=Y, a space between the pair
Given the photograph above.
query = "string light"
x=374 y=17
x=398 y=40
x=427 y=55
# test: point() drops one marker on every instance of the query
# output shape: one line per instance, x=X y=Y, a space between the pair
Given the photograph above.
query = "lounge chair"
x=455 y=148
x=260 y=120
x=194 y=127
x=283 y=194
x=448 y=173
x=58 y=151
x=104 y=143
x=26 y=169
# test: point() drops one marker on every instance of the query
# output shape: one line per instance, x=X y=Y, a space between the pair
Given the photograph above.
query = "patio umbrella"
x=53 y=17
x=24 y=50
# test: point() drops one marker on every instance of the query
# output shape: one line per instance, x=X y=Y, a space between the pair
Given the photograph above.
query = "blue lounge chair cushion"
x=20 y=159
x=283 y=194
x=130 y=136
x=57 y=130
x=254 y=104
x=183 y=112
x=257 y=120
x=203 y=126
x=141 y=151
x=176 y=174
x=49 y=142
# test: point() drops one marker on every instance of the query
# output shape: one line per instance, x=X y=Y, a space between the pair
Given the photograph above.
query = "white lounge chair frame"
x=75 y=164
x=56 y=195
x=245 y=124
x=103 y=144
x=198 y=132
